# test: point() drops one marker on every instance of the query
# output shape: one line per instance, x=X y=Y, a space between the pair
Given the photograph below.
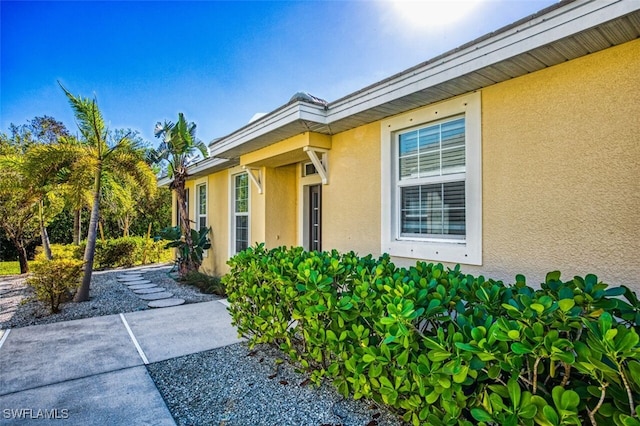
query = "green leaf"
x=552 y=276
x=438 y=355
x=569 y=400
x=513 y=334
x=566 y=304
x=481 y=415
x=528 y=411
x=550 y=414
x=403 y=358
x=521 y=348
x=368 y=358
x=537 y=307
x=494 y=371
x=614 y=291
x=387 y=320
x=514 y=392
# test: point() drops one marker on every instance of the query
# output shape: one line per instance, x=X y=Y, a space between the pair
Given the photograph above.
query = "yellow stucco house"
x=518 y=152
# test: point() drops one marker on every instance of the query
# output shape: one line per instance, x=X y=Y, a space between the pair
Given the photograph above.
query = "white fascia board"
x=206 y=164
x=555 y=25
x=209 y=163
x=279 y=118
x=164 y=181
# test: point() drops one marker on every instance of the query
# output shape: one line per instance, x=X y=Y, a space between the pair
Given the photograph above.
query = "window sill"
x=451 y=252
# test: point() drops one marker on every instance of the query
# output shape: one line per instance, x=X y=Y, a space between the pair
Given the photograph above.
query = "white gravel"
x=233 y=386
x=19 y=308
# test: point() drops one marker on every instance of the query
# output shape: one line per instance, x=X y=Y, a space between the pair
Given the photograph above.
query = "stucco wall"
x=280 y=206
x=351 y=200
x=561 y=170
x=218 y=220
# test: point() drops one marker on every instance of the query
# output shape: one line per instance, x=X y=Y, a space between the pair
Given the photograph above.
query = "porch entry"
x=315 y=217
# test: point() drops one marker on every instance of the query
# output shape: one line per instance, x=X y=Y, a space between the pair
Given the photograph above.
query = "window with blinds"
x=431 y=181
x=241 y=212
x=202 y=206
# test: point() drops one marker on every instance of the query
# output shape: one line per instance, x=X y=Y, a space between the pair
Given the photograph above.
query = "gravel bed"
x=19 y=308
x=233 y=386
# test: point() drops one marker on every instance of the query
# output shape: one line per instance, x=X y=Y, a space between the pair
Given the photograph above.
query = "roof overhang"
x=202 y=168
x=559 y=33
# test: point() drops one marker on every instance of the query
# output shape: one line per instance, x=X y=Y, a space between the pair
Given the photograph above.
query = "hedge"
x=118 y=252
x=441 y=347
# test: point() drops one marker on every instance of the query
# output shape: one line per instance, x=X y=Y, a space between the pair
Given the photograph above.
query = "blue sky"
x=219 y=62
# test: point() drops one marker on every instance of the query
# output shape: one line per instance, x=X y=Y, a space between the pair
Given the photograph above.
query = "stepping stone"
x=149 y=290
x=141 y=286
x=130 y=278
x=165 y=303
x=155 y=296
x=133 y=272
x=136 y=282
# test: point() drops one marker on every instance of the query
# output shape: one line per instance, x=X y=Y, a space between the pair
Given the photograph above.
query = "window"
x=308 y=169
x=201 y=216
x=431 y=180
x=432 y=191
x=240 y=212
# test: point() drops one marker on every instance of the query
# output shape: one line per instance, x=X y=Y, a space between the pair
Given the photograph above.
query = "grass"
x=9 y=268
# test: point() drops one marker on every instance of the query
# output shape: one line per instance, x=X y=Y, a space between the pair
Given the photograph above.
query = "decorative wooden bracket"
x=255 y=174
x=318 y=164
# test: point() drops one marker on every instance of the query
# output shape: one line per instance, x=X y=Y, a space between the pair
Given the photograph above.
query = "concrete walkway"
x=91 y=371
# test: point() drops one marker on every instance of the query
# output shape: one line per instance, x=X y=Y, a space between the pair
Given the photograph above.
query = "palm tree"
x=179 y=149
x=98 y=155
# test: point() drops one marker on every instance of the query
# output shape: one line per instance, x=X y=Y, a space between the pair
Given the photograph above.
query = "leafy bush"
x=54 y=281
x=206 y=283
x=442 y=347
x=127 y=251
x=60 y=251
x=187 y=254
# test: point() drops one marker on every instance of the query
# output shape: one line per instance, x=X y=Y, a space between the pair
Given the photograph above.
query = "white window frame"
x=467 y=251
x=233 y=214
x=303 y=204
x=199 y=215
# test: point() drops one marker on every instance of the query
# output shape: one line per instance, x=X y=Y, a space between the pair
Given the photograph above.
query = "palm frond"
x=89 y=119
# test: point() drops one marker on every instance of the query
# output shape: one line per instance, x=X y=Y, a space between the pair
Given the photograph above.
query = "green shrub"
x=60 y=251
x=55 y=281
x=128 y=251
x=205 y=283
x=441 y=347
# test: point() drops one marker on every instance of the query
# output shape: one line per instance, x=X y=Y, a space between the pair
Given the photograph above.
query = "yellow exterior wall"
x=351 y=200
x=218 y=219
x=561 y=170
x=280 y=206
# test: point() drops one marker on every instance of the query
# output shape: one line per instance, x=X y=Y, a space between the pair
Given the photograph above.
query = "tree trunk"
x=83 y=292
x=22 y=256
x=125 y=226
x=77 y=226
x=187 y=265
x=43 y=233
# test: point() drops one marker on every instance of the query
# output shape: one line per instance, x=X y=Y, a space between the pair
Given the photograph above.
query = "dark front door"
x=315 y=217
